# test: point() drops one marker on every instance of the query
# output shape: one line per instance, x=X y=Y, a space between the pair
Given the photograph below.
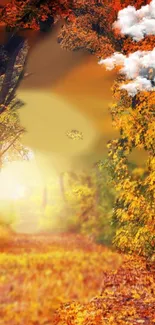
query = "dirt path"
x=40 y=273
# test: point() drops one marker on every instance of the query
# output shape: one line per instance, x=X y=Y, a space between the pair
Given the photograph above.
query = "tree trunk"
x=7 y=83
x=62 y=186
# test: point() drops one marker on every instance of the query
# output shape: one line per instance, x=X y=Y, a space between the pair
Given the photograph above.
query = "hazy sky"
x=67 y=90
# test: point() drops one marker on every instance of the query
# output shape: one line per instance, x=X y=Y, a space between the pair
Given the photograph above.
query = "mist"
x=64 y=91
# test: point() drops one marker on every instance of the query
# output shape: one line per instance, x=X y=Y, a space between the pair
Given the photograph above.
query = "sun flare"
x=10 y=187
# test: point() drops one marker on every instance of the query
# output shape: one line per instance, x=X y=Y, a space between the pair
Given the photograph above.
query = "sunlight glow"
x=10 y=188
x=17 y=177
x=19 y=192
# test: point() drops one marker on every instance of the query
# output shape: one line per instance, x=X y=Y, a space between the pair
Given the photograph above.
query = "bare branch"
x=12 y=142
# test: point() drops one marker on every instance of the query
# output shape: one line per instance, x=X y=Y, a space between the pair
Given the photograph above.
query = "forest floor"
x=68 y=280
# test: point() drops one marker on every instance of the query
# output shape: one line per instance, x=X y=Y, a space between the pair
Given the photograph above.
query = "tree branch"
x=12 y=142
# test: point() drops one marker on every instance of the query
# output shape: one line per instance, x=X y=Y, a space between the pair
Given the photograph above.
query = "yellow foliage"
x=135 y=207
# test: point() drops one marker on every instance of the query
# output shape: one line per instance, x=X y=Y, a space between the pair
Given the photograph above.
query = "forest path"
x=39 y=273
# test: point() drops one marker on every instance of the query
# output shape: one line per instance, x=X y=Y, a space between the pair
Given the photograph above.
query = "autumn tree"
x=13 y=74
x=92 y=28
x=85 y=206
x=10 y=136
x=10 y=128
x=135 y=205
x=87 y=24
x=34 y=14
x=133 y=115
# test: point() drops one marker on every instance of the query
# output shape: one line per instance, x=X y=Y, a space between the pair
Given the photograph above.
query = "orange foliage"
x=26 y=14
x=38 y=273
x=135 y=206
x=88 y=23
x=121 y=4
x=147 y=44
x=92 y=29
x=127 y=297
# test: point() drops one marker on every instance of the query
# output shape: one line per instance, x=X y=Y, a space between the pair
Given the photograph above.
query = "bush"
x=5 y=235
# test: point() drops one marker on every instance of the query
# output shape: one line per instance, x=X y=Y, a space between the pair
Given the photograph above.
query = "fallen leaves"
x=127 y=297
x=38 y=274
x=48 y=280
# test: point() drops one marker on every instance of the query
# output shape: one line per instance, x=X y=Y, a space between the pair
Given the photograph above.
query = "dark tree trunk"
x=8 y=76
